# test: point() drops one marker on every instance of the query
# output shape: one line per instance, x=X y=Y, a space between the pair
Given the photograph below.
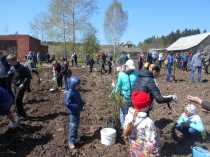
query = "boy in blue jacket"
x=190 y=123
x=74 y=103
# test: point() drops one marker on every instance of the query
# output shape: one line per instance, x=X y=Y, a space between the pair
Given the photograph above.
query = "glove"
x=174 y=97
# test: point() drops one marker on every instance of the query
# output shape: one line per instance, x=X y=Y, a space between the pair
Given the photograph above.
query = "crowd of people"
x=137 y=87
x=186 y=62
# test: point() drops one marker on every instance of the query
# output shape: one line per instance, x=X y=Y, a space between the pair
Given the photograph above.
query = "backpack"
x=129 y=128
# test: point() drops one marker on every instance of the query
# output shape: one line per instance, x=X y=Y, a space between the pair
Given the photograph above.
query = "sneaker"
x=71 y=146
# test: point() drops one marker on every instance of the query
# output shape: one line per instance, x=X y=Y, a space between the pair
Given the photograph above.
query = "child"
x=189 y=123
x=74 y=103
x=140 y=129
x=6 y=101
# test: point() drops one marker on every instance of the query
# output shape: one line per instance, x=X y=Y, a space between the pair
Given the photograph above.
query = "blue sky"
x=146 y=17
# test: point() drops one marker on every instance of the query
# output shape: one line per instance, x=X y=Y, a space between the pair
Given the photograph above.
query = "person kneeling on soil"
x=140 y=129
x=190 y=123
x=74 y=102
x=6 y=101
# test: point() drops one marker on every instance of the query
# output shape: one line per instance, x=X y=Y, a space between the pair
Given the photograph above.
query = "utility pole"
x=73 y=25
x=64 y=37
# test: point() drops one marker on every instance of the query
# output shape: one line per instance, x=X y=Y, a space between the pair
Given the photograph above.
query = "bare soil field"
x=44 y=133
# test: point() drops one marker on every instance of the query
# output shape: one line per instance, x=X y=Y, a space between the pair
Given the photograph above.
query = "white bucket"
x=108 y=136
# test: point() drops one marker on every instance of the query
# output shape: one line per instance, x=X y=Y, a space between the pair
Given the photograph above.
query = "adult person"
x=196 y=64
x=91 y=63
x=203 y=103
x=5 y=80
x=57 y=70
x=109 y=62
x=125 y=83
x=184 y=62
x=65 y=70
x=31 y=65
x=147 y=83
x=170 y=63
x=160 y=59
x=103 y=63
x=140 y=61
x=21 y=79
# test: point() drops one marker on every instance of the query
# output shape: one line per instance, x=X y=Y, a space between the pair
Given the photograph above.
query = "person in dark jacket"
x=65 y=71
x=103 y=63
x=109 y=62
x=140 y=61
x=5 y=79
x=58 y=74
x=91 y=62
x=146 y=82
x=73 y=101
x=21 y=79
x=6 y=102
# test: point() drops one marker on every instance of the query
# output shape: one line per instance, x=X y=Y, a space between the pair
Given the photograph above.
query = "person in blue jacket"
x=170 y=63
x=190 y=123
x=73 y=101
x=6 y=102
x=125 y=82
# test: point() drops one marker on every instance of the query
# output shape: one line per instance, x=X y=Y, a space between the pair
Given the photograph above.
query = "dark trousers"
x=110 y=69
x=59 y=80
x=75 y=60
x=91 y=68
x=19 y=102
x=74 y=120
x=103 y=68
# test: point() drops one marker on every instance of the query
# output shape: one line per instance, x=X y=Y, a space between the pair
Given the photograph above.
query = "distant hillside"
x=165 y=41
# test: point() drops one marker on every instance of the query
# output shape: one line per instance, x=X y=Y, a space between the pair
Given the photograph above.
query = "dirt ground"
x=45 y=132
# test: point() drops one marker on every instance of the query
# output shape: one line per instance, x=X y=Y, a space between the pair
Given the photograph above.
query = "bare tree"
x=71 y=16
x=115 y=22
x=39 y=26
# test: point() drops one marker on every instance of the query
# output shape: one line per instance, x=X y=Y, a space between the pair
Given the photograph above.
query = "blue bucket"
x=200 y=152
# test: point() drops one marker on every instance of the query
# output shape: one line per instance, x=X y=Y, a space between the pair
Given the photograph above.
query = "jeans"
x=169 y=73
x=123 y=113
x=74 y=120
x=193 y=69
x=187 y=131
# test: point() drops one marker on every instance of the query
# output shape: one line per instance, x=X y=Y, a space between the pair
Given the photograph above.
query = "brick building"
x=21 y=45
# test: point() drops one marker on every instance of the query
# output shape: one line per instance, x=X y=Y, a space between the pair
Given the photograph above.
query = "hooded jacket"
x=194 y=121
x=72 y=97
x=125 y=84
x=146 y=82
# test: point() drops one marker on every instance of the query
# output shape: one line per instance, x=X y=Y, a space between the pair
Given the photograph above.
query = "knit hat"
x=130 y=64
x=191 y=108
x=141 y=100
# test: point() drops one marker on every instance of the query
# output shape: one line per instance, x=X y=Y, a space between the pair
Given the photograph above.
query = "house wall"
x=25 y=43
